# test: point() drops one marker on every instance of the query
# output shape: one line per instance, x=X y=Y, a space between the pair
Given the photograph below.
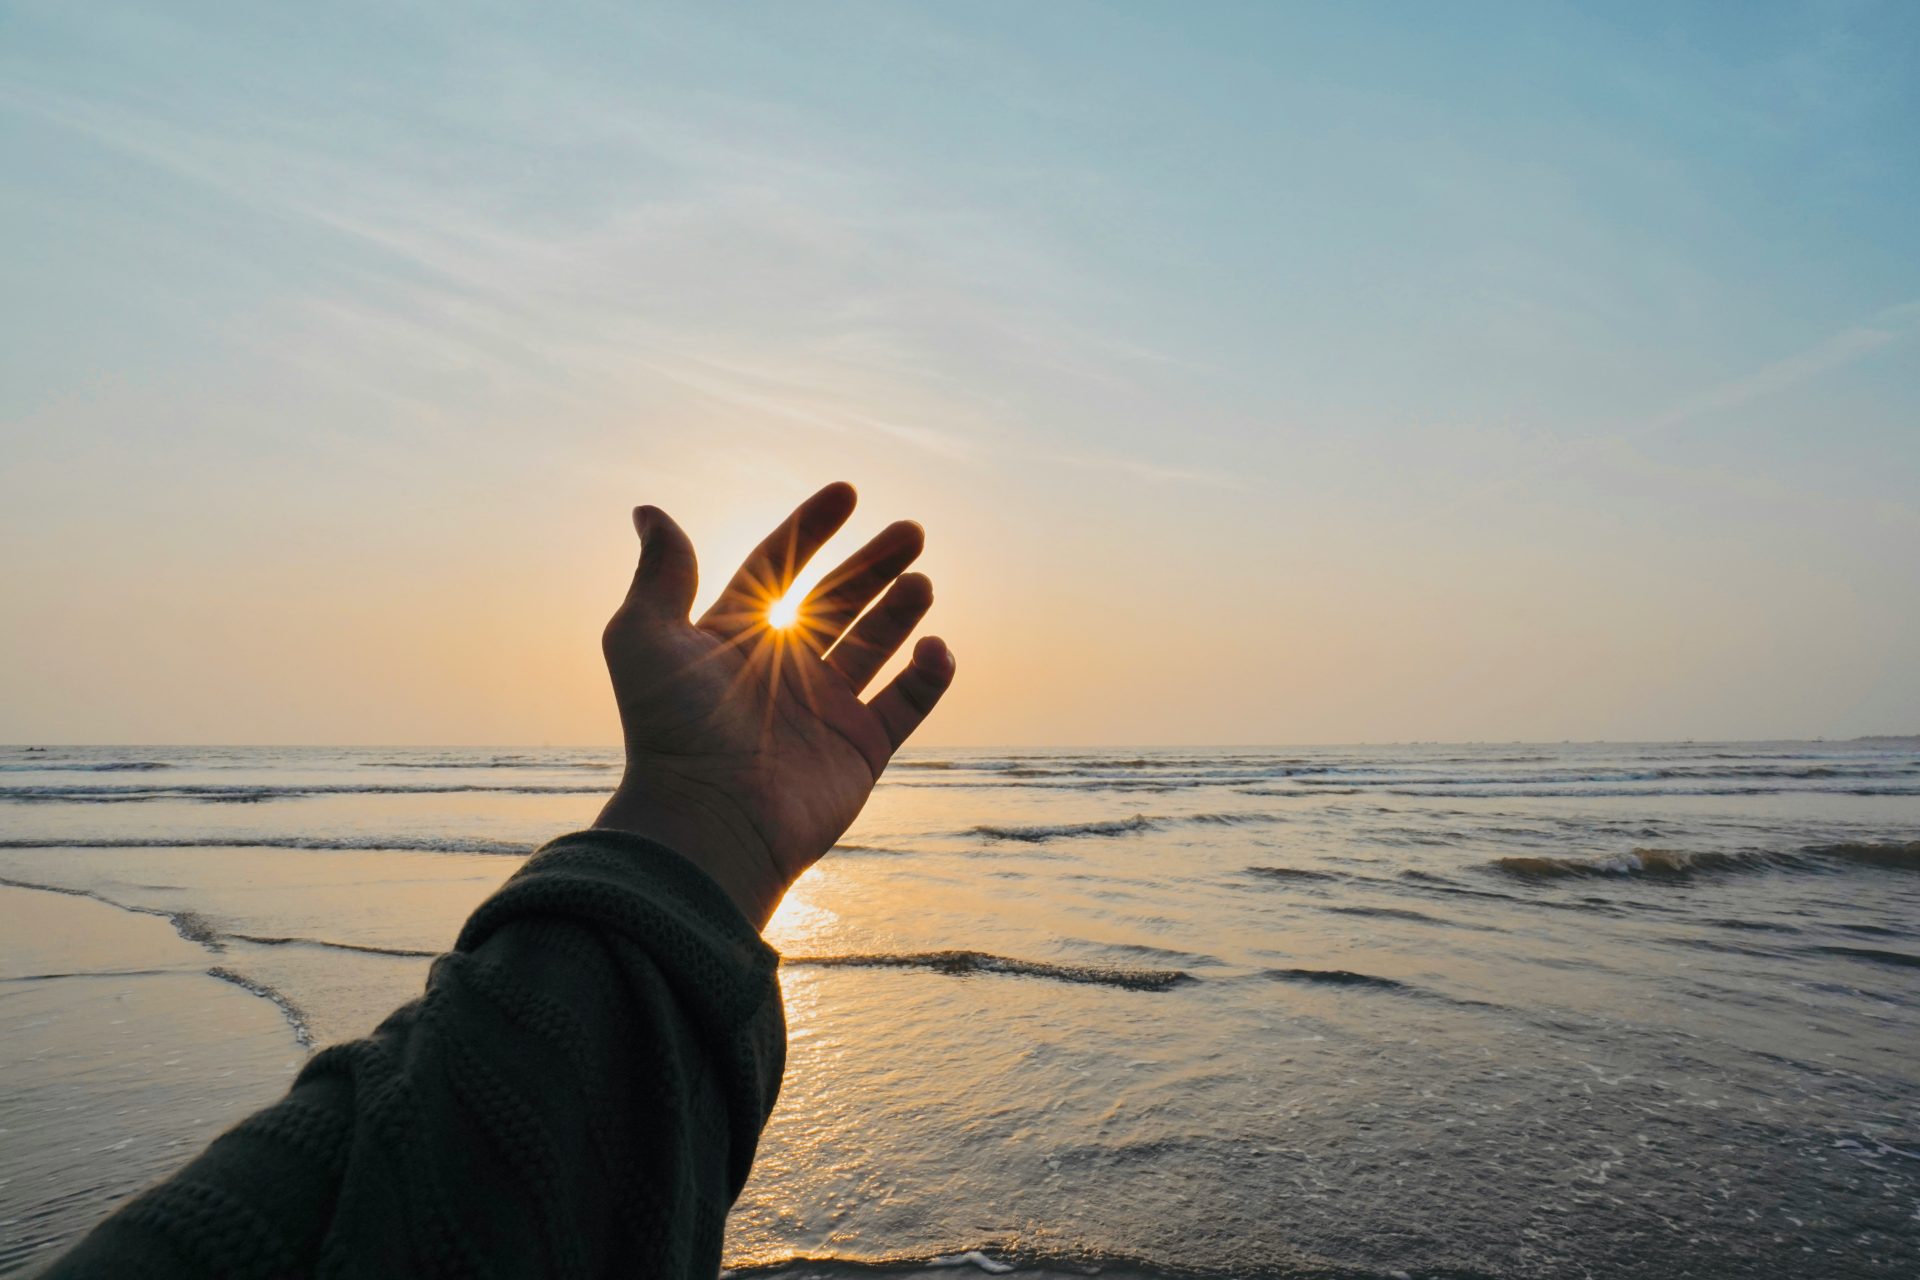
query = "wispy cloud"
x=1872 y=333
x=1843 y=348
x=809 y=291
x=1150 y=471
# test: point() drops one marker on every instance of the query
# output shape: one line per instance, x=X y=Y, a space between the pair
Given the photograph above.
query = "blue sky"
x=1263 y=373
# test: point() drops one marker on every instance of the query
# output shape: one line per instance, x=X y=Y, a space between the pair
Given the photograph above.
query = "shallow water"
x=1442 y=1010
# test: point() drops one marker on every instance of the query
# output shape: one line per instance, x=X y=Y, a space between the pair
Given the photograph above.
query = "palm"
x=760 y=727
x=773 y=723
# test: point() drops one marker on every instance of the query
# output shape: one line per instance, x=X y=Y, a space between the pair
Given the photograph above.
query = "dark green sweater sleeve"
x=578 y=1093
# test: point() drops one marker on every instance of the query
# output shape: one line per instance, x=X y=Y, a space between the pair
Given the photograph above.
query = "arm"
x=583 y=1084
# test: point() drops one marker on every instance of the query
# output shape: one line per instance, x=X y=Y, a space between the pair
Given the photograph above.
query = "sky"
x=1262 y=373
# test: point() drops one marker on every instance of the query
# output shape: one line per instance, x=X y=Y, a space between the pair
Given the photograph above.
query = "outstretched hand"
x=749 y=750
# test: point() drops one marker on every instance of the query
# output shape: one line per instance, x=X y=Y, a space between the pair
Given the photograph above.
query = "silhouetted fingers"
x=842 y=594
x=766 y=573
x=865 y=649
x=904 y=703
x=667 y=577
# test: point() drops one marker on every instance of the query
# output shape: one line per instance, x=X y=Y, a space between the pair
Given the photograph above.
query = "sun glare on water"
x=796 y=921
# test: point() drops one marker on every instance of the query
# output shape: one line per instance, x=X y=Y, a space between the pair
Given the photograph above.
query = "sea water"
x=1504 y=1010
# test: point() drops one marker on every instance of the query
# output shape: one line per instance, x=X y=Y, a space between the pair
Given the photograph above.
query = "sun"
x=784 y=612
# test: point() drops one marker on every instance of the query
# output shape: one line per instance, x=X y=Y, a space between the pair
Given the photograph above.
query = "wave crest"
x=1651 y=862
x=1041 y=832
x=1902 y=855
x=85 y=766
x=498 y=762
x=368 y=844
x=1336 y=978
x=1874 y=955
x=963 y=963
x=223 y=793
x=1681 y=863
x=1065 y=830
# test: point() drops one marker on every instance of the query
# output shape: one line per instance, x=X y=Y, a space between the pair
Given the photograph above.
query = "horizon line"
x=27 y=747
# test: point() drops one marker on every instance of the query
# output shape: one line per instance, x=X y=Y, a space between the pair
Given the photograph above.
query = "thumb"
x=668 y=577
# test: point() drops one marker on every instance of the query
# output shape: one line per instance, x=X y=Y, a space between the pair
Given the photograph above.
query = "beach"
x=1435 y=1010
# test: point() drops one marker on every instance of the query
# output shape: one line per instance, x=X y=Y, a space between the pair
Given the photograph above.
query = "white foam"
x=973 y=1258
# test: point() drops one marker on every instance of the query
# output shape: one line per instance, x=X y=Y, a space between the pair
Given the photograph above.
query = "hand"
x=749 y=750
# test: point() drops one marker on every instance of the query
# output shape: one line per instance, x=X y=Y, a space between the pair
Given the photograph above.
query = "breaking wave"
x=219 y=793
x=1022 y=1260
x=1403 y=913
x=962 y=963
x=1679 y=863
x=1873 y=955
x=1523 y=775
x=500 y=762
x=1903 y=855
x=990 y=1259
x=1650 y=862
x=1065 y=830
x=1336 y=978
x=1043 y=832
x=84 y=766
x=878 y=849
x=1437 y=792
x=367 y=844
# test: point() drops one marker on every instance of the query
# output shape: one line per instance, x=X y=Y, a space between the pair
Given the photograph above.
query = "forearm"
x=583 y=1082
x=708 y=823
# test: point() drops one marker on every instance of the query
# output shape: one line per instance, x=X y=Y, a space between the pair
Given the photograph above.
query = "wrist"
x=708 y=832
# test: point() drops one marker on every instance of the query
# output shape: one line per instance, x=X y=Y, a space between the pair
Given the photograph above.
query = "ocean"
x=1437 y=1010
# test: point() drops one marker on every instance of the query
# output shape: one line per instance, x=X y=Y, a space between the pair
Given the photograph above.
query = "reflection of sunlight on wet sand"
x=797 y=921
